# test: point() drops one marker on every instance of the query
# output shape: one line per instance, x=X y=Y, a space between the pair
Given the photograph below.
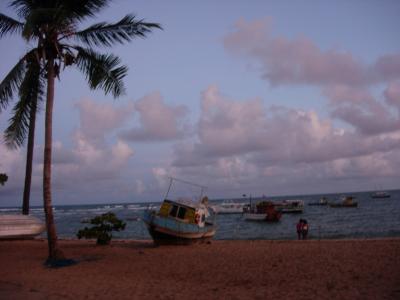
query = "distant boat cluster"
x=178 y=222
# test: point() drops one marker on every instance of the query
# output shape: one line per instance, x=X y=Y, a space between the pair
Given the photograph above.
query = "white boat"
x=229 y=207
x=322 y=202
x=251 y=216
x=346 y=201
x=20 y=226
x=262 y=211
x=290 y=206
x=380 y=194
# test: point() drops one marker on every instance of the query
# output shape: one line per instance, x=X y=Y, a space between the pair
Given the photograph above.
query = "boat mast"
x=202 y=187
x=169 y=187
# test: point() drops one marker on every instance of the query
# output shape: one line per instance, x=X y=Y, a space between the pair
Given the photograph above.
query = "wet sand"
x=327 y=269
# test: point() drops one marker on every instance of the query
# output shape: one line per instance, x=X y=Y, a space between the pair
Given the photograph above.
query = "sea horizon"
x=373 y=218
x=216 y=199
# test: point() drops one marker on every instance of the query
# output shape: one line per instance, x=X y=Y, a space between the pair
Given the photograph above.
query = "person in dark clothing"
x=299 y=228
x=304 y=230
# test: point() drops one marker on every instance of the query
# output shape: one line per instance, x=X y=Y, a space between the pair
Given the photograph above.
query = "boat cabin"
x=347 y=200
x=183 y=212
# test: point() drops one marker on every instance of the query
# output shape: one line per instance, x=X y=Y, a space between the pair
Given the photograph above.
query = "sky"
x=244 y=97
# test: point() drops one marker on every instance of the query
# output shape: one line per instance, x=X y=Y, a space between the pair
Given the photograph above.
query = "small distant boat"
x=380 y=194
x=229 y=207
x=290 y=206
x=262 y=211
x=180 y=222
x=322 y=201
x=133 y=206
x=20 y=227
x=347 y=201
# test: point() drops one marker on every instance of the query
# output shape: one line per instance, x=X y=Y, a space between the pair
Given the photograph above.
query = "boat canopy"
x=184 y=212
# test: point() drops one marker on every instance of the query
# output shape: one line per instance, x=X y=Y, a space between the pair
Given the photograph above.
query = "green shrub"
x=3 y=178
x=104 y=225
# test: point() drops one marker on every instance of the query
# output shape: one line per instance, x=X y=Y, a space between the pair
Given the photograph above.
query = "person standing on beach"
x=304 y=230
x=299 y=228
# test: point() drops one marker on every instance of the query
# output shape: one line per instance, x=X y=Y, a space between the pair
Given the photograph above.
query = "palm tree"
x=24 y=117
x=52 y=25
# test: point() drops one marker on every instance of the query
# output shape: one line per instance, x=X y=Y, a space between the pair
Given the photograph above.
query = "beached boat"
x=263 y=211
x=290 y=206
x=321 y=202
x=229 y=207
x=380 y=195
x=20 y=227
x=347 y=201
x=180 y=222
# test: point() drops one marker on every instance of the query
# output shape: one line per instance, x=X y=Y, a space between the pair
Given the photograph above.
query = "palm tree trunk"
x=29 y=158
x=54 y=252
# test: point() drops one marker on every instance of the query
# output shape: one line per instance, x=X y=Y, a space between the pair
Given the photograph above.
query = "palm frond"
x=31 y=95
x=9 y=25
x=107 y=34
x=11 y=83
x=73 y=10
x=102 y=71
x=78 y=10
x=23 y=7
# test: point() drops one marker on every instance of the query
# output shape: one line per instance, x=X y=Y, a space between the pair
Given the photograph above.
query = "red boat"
x=263 y=211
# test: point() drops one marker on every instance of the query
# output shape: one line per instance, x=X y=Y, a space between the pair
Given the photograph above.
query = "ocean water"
x=373 y=218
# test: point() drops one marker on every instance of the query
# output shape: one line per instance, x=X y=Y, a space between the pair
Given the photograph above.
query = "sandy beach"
x=327 y=269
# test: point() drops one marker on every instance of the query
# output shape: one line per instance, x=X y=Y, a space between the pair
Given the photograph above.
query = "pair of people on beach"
x=302 y=229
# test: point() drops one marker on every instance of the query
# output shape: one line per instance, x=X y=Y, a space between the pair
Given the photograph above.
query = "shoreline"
x=222 y=269
x=124 y=240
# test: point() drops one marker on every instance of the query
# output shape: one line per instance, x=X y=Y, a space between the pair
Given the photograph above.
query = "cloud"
x=346 y=81
x=301 y=61
x=92 y=155
x=158 y=121
x=339 y=94
x=140 y=186
x=359 y=108
x=161 y=176
x=230 y=127
x=93 y=165
x=243 y=143
x=97 y=119
x=392 y=94
x=387 y=67
x=94 y=171
x=370 y=120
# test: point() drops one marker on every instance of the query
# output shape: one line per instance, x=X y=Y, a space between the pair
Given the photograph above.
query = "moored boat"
x=228 y=207
x=262 y=211
x=322 y=201
x=347 y=201
x=380 y=195
x=20 y=227
x=290 y=206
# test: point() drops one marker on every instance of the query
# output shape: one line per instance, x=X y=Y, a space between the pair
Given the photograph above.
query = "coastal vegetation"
x=50 y=29
x=102 y=231
x=3 y=178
